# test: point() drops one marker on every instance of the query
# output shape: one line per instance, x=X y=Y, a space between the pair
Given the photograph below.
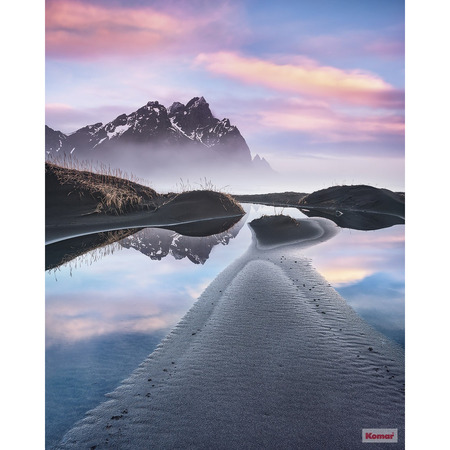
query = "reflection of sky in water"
x=126 y=291
x=368 y=269
x=104 y=315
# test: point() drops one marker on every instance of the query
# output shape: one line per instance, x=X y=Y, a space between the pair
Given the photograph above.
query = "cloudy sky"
x=316 y=87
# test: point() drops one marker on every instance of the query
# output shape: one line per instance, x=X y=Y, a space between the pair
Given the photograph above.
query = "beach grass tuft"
x=115 y=191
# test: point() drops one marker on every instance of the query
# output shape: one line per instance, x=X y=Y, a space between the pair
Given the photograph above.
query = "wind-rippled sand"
x=270 y=357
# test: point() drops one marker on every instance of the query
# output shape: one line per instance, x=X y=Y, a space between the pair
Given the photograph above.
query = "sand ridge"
x=270 y=356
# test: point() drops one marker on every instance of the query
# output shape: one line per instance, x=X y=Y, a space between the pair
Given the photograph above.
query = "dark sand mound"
x=279 y=230
x=357 y=197
x=82 y=202
x=201 y=204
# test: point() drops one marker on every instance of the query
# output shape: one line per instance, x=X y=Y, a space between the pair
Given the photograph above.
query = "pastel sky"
x=316 y=87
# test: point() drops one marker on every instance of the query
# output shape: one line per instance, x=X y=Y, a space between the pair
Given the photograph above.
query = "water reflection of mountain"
x=158 y=243
x=356 y=220
x=153 y=242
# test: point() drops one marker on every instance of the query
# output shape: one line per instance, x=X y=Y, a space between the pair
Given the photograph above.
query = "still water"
x=108 y=308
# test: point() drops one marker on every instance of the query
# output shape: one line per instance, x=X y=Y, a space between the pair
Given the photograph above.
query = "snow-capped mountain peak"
x=188 y=128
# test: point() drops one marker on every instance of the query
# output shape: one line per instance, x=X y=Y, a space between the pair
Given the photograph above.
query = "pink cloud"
x=78 y=29
x=307 y=78
x=322 y=122
x=82 y=29
x=327 y=126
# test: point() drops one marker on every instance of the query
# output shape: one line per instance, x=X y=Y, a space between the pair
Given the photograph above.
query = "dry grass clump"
x=70 y=162
x=276 y=219
x=208 y=188
x=228 y=201
x=115 y=192
x=204 y=184
x=210 y=197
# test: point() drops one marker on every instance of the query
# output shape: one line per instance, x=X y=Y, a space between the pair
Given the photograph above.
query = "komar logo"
x=380 y=435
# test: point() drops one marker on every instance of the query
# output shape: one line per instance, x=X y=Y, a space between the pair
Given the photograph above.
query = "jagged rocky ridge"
x=189 y=129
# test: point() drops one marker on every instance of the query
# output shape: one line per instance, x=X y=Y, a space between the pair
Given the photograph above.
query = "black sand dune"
x=357 y=198
x=358 y=207
x=81 y=202
x=354 y=197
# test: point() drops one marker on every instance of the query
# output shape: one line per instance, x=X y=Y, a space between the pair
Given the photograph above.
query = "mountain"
x=54 y=140
x=156 y=135
x=261 y=163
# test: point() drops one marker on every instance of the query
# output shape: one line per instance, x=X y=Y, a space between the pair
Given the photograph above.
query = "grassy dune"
x=80 y=202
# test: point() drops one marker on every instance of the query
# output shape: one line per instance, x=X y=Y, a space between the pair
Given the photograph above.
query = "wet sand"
x=270 y=356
